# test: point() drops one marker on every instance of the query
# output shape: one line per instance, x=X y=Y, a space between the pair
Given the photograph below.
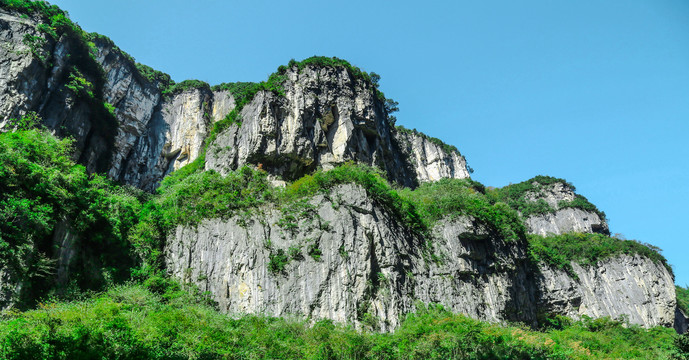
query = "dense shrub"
x=163 y=80
x=131 y=322
x=452 y=197
x=560 y=251
x=42 y=188
x=517 y=197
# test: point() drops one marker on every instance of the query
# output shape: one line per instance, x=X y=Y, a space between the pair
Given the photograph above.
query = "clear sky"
x=596 y=92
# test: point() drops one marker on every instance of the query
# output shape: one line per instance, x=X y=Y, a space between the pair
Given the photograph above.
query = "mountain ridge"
x=317 y=113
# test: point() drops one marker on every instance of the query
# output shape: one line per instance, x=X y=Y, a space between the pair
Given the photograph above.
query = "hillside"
x=293 y=203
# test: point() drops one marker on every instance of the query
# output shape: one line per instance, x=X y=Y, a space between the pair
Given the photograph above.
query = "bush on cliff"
x=560 y=251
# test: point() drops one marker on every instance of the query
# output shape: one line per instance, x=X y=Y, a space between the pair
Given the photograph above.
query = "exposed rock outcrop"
x=681 y=321
x=431 y=161
x=173 y=138
x=133 y=97
x=351 y=261
x=631 y=286
x=34 y=69
x=366 y=266
x=563 y=219
x=326 y=117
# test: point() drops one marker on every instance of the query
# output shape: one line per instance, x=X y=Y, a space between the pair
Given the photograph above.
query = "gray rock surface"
x=681 y=321
x=369 y=264
x=22 y=76
x=563 y=219
x=631 y=286
x=327 y=117
x=369 y=267
x=134 y=99
x=430 y=161
x=173 y=138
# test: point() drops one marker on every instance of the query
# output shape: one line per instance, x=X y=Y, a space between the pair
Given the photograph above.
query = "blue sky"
x=594 y=92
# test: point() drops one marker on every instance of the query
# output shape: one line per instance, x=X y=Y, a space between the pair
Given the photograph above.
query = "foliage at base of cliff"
x=168 y=321
x=560 y=251
x=43 y=190
x=683 y=298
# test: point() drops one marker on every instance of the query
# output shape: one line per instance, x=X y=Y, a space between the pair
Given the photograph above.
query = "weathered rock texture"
x=368 y=266
x=630 y=286
x=34 y=69
x=173 y=138
x=563 y=219
x=681 y=321
x=430 y=160
x=326 y=117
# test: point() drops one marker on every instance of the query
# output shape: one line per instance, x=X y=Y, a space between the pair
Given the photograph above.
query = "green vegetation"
x=519 y=197
x=278 y=261
x=368 y=178
x=683 y=298
x=560 y=251
x=324 y=61
x=452 y=197
x=168 y=321
x=158 y=77
x=86 y=78
x=189 y=196
x=120 y=235
x=43 y=190
x=183 y=86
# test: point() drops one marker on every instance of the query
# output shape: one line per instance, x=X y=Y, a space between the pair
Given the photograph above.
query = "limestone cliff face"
x=133 y=97
x=34 y=69
x=431 y=161
x=23 y=78
x=327 y=117
x=351 y=261
x=563 y=219
x=366 y=268
x=631 y=286
x=173 y=138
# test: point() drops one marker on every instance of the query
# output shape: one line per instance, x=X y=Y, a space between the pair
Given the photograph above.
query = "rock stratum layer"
x=349 y=260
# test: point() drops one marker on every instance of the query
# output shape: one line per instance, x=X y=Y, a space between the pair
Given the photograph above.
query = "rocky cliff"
x=563 y=217
x=326 y=117
x=551 y=206
x=351 y=260
x=348 y=258
x=627 y=286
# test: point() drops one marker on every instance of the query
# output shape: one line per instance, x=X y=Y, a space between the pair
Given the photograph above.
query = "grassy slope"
x=132 y=322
